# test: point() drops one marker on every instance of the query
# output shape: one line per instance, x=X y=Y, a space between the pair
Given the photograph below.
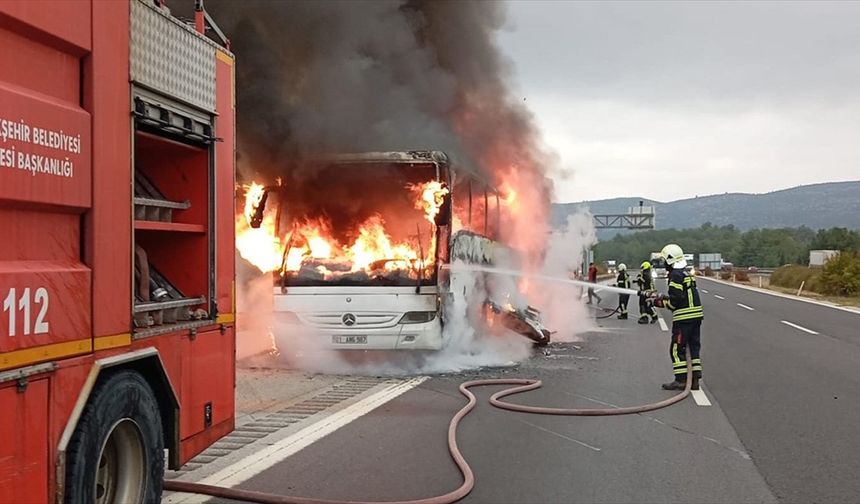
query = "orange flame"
x=431 y=196
x=509 y=196
x=259 y=246
x=311 y=243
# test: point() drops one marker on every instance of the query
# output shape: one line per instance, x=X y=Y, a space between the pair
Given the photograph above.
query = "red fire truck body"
x=117 y=153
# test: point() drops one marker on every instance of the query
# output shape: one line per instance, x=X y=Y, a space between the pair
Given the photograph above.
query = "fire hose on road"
x=519 y=386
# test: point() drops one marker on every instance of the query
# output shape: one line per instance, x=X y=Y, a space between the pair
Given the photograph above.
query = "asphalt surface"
x=782 y=426
x=792 y=396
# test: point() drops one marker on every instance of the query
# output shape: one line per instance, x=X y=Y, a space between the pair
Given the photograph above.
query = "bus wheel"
x=116 y=454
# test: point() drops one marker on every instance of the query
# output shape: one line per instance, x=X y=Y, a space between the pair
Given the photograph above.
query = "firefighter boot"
x=695 y=385
x=643 y=319
x=674 y=385
x=654 y=319
x=623 y=316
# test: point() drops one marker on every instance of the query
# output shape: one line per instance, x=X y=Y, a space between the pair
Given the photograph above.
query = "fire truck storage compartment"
x=207 y=397
x=24 y=440
x=173 y=199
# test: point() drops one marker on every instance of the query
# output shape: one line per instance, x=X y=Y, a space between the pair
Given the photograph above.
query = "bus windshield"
x=360 y=224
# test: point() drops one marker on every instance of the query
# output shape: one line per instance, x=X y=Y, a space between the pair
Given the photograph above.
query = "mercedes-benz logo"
x=348 y=319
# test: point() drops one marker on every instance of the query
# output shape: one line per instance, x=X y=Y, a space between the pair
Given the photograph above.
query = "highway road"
x=787 y=375
x=776 y=421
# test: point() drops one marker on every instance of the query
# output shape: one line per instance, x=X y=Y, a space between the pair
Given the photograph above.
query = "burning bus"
x=356 y=245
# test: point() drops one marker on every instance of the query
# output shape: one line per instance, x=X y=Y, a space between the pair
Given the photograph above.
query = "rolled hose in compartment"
x=522 y=385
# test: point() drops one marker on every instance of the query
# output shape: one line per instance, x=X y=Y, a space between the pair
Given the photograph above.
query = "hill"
x=817 y=206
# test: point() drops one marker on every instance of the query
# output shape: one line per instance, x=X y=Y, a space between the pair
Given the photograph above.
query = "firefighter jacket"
x=623 y=280
x=645 y=281
x=684 y=297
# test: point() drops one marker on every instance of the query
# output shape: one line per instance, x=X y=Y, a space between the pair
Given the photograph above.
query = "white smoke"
x=469 y=343
x=254 y=296
x=561 y=304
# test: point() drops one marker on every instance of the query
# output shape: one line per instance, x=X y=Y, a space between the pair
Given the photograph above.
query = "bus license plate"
x=349 y=340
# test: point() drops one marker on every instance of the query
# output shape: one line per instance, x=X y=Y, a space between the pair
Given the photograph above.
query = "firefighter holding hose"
x=646 y=285
x=687 y=314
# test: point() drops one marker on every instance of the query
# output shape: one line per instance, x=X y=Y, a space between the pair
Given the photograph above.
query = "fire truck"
x=117 y=149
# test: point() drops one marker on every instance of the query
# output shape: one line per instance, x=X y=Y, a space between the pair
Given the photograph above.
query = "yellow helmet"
x=645 y=265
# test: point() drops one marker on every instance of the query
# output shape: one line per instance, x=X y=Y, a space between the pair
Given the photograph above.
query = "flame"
x=308 y=241
x=259 y=246
x=311 y=243
x=431 y=196
x=509 y=196
x=373 y=244
x=274 y=351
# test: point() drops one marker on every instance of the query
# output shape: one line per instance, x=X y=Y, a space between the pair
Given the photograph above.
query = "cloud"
x=715 y=96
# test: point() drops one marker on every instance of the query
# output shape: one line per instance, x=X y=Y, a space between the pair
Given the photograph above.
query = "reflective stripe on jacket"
x=623 y=280
x=684 y=297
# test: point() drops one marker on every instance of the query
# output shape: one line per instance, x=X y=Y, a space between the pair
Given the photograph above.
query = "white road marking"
x=700 y=397
x=810 y=331
x=703 y=290
x=745 y=307
x=267 y=457
x=663 y=326
x=718 y=296
x=554 y=433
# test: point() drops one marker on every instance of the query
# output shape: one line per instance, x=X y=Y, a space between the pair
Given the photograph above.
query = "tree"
x=836 y=239
x=756 y=247
x=841 y=275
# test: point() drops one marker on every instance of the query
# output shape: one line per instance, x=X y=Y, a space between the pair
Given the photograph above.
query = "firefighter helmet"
x=672 y=253
x=645 y=265
x=622 y=267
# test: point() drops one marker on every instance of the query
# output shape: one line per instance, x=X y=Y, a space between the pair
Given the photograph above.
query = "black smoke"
x=354 y=76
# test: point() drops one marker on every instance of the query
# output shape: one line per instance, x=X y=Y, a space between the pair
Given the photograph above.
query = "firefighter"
x=623 y=281
x=687 y=314
x=646 y=284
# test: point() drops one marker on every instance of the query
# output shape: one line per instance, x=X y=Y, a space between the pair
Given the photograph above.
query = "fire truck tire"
x=116 y=454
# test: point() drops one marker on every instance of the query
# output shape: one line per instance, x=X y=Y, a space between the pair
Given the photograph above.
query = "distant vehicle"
x=818 y=258
x=726 y=266
x=690 y=258
x=611 y=267
x=658 y=266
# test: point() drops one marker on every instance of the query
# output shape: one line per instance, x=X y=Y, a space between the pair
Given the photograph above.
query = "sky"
x=670 y=100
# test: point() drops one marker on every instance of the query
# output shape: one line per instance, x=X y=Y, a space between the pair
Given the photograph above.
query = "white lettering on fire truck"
x=11 y=156
x=11 y=310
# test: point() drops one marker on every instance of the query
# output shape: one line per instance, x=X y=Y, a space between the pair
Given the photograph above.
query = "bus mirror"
x=259 y=209
x=443 y=218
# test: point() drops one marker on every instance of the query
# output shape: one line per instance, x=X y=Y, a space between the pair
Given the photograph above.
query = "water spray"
x=509 y=272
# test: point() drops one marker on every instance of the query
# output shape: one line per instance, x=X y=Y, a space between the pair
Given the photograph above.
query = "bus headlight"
x=417 y=317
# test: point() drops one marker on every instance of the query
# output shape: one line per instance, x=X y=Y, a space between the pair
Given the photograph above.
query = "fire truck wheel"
x=116 y=454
